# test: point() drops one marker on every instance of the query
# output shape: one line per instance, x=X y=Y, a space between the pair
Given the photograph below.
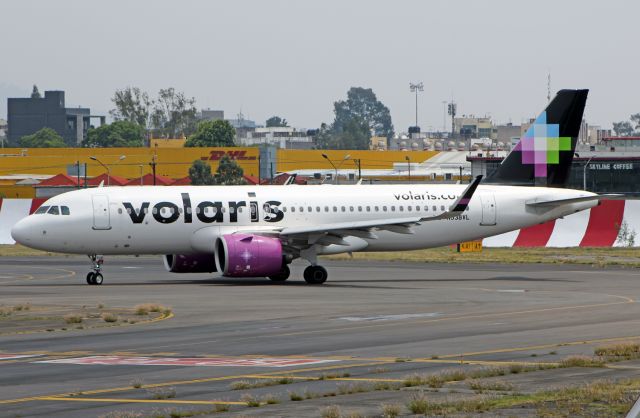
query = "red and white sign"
x=188 y=361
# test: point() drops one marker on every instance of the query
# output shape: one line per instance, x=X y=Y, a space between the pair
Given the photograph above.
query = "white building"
x=279 y=136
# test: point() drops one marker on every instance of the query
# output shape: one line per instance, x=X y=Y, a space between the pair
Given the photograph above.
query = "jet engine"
x=191 y=263
x=244 y=255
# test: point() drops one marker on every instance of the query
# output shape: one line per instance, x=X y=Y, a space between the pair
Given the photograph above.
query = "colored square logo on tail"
x=541 y=145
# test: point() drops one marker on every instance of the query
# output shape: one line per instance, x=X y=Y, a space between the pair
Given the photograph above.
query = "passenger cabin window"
x=65 y=210
x=41 y=210
x=54 y=210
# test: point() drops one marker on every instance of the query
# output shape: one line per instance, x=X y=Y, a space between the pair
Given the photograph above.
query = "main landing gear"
x=95 y=277
x=315 y=274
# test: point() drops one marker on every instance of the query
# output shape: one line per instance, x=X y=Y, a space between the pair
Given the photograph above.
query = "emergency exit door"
x=488 y=209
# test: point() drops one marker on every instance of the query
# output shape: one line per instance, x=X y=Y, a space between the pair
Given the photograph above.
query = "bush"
x=390 y=410
x=250 y=400
x=109 y=317
x=331 y=411
x=73 y=319
x=418 y=403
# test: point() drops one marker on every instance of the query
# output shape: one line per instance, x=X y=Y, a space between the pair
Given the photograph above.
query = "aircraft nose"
x=21 y=232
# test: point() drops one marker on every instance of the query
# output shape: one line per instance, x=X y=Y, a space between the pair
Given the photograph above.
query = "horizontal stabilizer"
x=559 y=202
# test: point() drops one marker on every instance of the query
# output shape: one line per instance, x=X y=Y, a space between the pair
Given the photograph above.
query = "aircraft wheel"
x=90 y=277
x=315 y=275
x=97 y=279
x=282 y=275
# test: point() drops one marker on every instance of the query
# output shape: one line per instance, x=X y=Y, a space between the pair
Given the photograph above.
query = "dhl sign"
x=470 y=247
x=216 y=155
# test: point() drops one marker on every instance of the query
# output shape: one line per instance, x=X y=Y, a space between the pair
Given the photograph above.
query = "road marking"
x=7 y=356
x=389 y=317
x=128 y=400
x=187 y=361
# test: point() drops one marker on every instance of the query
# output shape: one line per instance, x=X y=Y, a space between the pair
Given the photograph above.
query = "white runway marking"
x=389 y=317
x=187 y=361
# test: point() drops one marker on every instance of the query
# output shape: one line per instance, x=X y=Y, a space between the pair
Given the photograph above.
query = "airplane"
x=257 y=231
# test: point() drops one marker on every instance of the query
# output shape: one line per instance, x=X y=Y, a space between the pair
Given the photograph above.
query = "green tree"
x=212 y=133
x=354 y=135
x=44 y=138
x=229 y=172
x=635 y=119
x=276 y=121
x=131 y=104
x=200 y=173
x=174 y=114
x=363 y=104
x=623 y=128
x=35 y=93
x=118 y=134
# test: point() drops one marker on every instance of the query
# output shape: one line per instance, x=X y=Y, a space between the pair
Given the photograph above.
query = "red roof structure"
x=60 y=180
x=108 y=181
x=281 y=178
x=147 y=180
x=251 y=179
x=185 y=181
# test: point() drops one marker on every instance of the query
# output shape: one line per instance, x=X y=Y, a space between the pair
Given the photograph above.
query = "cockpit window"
x=64 y=210
x=41 y=210
x=54 y=210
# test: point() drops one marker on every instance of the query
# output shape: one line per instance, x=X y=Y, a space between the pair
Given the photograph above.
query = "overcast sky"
x=294 y=58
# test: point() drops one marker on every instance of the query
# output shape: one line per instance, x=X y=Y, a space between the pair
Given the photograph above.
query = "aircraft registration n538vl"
x=256 y=231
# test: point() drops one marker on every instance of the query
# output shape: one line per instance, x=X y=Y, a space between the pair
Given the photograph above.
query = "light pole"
x=346 y=157
x=408 y=166
x=122 y=157
x=415 y=88
x=141 y=175
x=357 y=162
x=584 y=173
x=444 y=116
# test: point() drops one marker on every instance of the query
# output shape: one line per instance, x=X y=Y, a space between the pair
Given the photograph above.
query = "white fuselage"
x=188 y=219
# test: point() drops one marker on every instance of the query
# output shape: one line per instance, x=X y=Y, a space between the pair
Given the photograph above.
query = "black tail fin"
x=544 y=154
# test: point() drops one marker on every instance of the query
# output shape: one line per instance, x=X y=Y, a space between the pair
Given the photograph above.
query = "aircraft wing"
x=334 y=232
x=542 y=202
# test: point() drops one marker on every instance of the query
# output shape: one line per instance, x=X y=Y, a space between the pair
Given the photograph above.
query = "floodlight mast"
x=415 y=88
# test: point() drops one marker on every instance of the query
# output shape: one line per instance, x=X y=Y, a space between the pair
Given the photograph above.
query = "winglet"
x=461 y=204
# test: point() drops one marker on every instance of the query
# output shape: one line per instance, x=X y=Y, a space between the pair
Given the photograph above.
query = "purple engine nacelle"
x=244 y=255
x=191 y=263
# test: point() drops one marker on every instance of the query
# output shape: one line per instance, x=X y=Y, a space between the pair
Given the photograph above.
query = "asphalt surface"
x=362 y=325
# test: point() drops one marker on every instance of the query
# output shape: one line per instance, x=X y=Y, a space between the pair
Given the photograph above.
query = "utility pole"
x=415 y=88
x=444 y=116
x=356 y=161
x=408 y=166
x=78 y=172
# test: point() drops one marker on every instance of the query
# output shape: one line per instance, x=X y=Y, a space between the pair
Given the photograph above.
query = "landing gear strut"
x=95 y=277
x=315 y=274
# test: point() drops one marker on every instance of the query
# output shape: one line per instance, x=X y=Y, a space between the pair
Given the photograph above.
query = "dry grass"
x=73 y=318
x=146 y=308
x=620 y=351
x=245 y=384
x=390 y=410
x=162 y=393
x=331 y=411
x=270 y=399
x=22 y=307
x=250 y=400
x=418 y=403
x=581 y=361
x=109 y=317
x=137 y=383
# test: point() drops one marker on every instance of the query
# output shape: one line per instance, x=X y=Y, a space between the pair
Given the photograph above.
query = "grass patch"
x=390 y=410
x=418 y=404
x=581 y=361
x=618 y=352
x=250 y=400
x=270 y=399
x=245 y=384
x=162 y=393
x=331 y=411
x=73 y=318
x=221 y=407
x=109 y=317
x=295 y=396
x=22 y=307
x=137 y=383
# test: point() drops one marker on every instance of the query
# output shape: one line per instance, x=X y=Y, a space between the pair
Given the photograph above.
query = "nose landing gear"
x=95 y=277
